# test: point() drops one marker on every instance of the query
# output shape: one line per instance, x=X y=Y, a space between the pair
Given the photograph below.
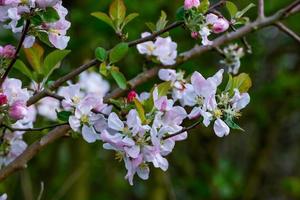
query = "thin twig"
x=14 y=59
x=183 y=130
x=288 y=31
x=33 y=129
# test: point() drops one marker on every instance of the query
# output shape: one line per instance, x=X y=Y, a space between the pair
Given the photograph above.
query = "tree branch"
x=288 y=31
x=261 y=9
x=183 y=130
x=59 y=132
x=14 y=59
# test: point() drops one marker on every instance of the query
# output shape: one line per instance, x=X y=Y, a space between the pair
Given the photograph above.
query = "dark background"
x=260 y=163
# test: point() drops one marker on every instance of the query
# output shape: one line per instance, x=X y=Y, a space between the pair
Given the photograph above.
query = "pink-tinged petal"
x=211 y=18
x=143 y=172
x=240 y=101
x=74 y=123
x=59 y=41
x=133 y=151
x=195 y=113
x=189 y=4
x=167 y=74
x=89 y=134
x=29 y=41
x=221 y=129
x=115 y=123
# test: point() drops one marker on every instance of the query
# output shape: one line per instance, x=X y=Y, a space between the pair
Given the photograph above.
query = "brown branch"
x=59 y=132
x=32 y=150
x=288 y=31
x=14 y=59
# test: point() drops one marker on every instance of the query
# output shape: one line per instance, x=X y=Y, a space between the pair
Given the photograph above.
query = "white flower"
x=146 y=48
x=47 y=107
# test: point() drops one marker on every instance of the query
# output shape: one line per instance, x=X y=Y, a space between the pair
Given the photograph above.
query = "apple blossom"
x=3 y=99
x=188 y=4
x=18 y=110
x=8 y=51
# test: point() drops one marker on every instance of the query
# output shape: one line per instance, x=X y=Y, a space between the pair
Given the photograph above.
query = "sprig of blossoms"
x=47 y=18
x=233 y=54
x=163 y=49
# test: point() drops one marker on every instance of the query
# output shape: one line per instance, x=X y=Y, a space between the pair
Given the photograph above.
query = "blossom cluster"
x=202 y=24
x=144 y=132
x=14 y=111
x=163 y=49
x=13 y=100
x=47 y=17
x=233 y=54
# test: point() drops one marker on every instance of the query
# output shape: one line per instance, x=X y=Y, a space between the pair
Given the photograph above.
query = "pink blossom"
x=7 y=51
x=18 y=110
x=188 y=4
x=131 y=96
x=195 y=35
x=3 y=99
x=220 y=25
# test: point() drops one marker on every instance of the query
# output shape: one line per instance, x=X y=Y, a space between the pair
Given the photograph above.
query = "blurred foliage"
x=260 y=163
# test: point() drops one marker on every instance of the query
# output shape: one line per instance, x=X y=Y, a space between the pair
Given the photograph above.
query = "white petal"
x=89 y=134
x=115 y=123
x=221 y=129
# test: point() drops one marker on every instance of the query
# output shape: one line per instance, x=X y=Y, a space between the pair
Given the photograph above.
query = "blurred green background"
x=260 y=163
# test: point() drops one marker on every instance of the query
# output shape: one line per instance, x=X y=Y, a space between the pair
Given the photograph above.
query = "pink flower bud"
x=7 y=51
x=18 y=110
x=3 y=99
x=189 y=4
x=131 y=96
x=195 y=35
x=220 y=25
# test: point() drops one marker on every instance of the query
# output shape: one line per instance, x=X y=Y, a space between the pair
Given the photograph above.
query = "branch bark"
x=261 y=9
x=59 y=132
x=288 y=31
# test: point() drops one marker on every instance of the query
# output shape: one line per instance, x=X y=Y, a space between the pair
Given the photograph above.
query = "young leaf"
x=101 y=54
x=44 y=38
x=19 y=65
x=204 y=6
x=117 y=11
x=34 y=56
x=232 y=124
x=103 y=69
x=232 y=9
x=129 y=18
x=50 y=15
x=52 y=61
x=242 y=12
x=180 y=13
x=118 y=52
x=151 y=26
x=64 y=115
x=140 y=110
x=241 y=82
x=104 y=17
x=162 y=22
x=119 y=78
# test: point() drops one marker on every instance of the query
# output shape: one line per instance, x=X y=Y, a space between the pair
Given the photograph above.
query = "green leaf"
x=34 y=56
x=180 y=13
x=119 y=78
x=242 y=82
x=44 y=38
x=19 y=65
x=129 y=18
x=204 y=6
x=118 y=52
x=232 y=9
x=151 y=26
x=50 y=15
x=117 y=11
x=64 y=115
x=242 y=12
x=232 y=124
x=162 y=22
x=140 y=110
x=101 y=54
x=103 y=69
x=53 y=60
x=104 y=17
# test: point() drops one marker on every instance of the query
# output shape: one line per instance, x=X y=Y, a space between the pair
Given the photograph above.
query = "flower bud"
x=189 y=4
x=195 y=35
x=3 y=99
x=131 y=96
x=220 y=25
x=18 y=110
x=7 y=51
